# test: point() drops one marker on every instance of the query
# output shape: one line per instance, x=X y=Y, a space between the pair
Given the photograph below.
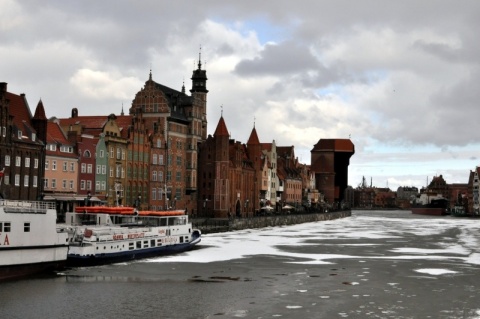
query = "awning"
x=59 y=197
x=92 y=199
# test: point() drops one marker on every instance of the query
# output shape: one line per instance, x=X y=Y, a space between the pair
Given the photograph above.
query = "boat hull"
x=436 y=211
x=103 y=259
x=13 y=272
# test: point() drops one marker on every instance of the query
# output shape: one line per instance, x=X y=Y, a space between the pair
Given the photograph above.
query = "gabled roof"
x=22 y=118
x=335 y=144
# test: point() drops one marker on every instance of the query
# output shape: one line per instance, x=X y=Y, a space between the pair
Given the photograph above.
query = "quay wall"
x=214 y=225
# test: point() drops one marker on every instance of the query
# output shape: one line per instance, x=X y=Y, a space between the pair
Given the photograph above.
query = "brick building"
x=22 y=148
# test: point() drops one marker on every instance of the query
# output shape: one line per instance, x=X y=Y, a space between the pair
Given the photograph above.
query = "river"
x=374 y=264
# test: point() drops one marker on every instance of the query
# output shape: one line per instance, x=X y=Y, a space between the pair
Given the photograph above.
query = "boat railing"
x=26 y=206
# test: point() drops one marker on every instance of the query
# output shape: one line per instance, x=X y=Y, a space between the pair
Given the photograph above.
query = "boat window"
x=181 y=239
x=1 y=227
x=6 y=227
x=139 y=244
x=26 y=227
x=152 y=243
x=131 y=246
x=145 y=243
x=159 y=242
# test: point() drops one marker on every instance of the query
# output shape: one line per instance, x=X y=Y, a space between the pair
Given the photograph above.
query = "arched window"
x=87 y=154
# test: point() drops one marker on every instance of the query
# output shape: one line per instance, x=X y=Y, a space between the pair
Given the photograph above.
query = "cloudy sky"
x=400 y=78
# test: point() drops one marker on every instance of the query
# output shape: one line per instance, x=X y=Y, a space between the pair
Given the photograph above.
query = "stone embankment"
x=216 y=225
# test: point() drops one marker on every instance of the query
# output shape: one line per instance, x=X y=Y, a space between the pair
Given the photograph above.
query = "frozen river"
x=375 y=264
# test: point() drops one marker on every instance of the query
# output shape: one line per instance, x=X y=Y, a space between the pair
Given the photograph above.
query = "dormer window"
x=19 y=134
x=34 y=137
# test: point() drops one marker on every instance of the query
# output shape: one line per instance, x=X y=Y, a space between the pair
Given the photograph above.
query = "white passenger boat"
x=114 y=234
x=30 y=240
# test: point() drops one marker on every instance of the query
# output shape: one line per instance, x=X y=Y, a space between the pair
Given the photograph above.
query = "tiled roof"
x=253 y=140
x=336 y=144
x=221 y=129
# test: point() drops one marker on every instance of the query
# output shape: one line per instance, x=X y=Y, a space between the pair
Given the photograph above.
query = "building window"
x=97 y=185
x=54 y=165
x=64 y=184
x=35 y=163
x=7 y=160
x=104 y=169
x=119 y=153
x=45 y=183
x=35 y=181
x=71 y=185
x=112 y=152
x=99 y=169
x=17 y=179
x=179 y=176
x=89 y=185
x=83 y=168
x=102 y=153
x=72 y=167
x=25 y=180
x=47 y=164
x=154 y=159
x=89 y=168
x=18 y=161
x=54 y=183
x=87 y=154
x=82 y=184
x=104 y=185
x=65 y=166
x=111 y=171
x=27 y=161
x=154 y=176
x=160 y=176
x=160 y=159
x=154 y=193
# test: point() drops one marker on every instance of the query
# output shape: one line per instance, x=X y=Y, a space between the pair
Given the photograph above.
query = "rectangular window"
x=112 y=152
x=71 y=184
x=179 y=161
x=27 y=161
x=154 y=176
x=160 y=159
x=65 y=166
x=154 y=159
x=160 y=176
x=104 y=185
x=25 y=180
x=82 y=184
x=54 y=165
x=64 y=184
x=83 y=168
x=7 y=160
x=35 y=181
x=154 y=194
x=54 y=183
x=89 y=185
x=99 y=169
x=72 y=167
x=18 y=161
x=111 y=171
x=119 y=153
x=89 y=168
x=35 y=163
x=47 y=164
x=104 y=169
x=178 y=177
x=45 y=183
x=7 y=227
x=97 y=185
x=102 y=153
x=17 y=179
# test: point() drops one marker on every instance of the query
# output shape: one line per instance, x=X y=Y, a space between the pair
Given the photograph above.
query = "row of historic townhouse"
x=159 y=157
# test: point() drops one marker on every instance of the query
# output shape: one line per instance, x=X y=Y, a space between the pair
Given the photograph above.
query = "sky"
x=399 y=78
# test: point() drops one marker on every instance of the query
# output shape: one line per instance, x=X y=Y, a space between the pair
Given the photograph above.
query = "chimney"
x=3 y=87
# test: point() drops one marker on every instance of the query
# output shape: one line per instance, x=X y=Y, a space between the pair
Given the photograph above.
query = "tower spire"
x=200 y=58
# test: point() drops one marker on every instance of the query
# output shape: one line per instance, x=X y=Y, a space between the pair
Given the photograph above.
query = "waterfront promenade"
x=214 y=225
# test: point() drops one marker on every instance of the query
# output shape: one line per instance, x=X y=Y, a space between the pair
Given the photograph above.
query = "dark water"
x=371 y=265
